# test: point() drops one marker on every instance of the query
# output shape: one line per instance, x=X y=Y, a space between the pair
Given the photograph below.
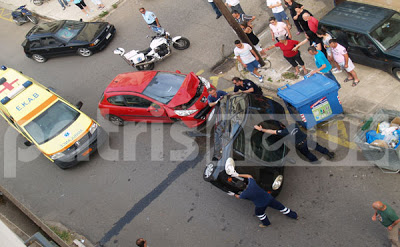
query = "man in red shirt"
x=311 y=21
x=293 y=57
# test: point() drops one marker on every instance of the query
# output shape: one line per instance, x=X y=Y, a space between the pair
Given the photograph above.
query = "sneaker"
x=63 y=7
x=262 y=225
x=87 y=14
x=335 y=70
x=331 y=155
x=261 y=79
x=317 y=162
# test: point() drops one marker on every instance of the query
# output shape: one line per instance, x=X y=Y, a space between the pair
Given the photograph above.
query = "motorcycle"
x=158 y=50
x=22 y=15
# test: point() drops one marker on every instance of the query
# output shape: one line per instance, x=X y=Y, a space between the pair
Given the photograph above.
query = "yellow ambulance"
x=63 y=133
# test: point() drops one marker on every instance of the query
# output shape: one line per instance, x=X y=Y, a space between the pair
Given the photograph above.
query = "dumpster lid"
x=303 y=91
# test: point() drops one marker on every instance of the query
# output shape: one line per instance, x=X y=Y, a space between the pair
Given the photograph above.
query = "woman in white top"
x=234 y=5
x=325 y=39
x=278 y=29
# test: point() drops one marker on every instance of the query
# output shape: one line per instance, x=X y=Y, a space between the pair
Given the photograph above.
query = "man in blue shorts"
x=151 y=19
x=322 y=64
x=214 y=96
x=248 y=58
x=262 y=200
x=278 y=11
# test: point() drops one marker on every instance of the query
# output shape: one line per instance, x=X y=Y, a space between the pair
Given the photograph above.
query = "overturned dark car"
x=59 y=38
x=253 y=152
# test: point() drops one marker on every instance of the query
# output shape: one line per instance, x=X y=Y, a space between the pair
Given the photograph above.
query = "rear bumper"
x=84 y=151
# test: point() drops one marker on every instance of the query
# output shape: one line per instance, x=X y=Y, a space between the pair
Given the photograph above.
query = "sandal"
x=355 y=83
x=347 y=79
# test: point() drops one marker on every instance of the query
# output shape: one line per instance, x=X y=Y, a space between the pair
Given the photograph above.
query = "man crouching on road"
x=262 y=200
x=388 y=218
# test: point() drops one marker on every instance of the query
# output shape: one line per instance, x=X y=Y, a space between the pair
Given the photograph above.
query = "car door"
x=363 y=51
x=51 y=47
x=142 y=109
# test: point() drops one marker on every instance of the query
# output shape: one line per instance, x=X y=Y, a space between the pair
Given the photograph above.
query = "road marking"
x=5 y=16
x=341 y=139
x=200 y=72
x=214 y=80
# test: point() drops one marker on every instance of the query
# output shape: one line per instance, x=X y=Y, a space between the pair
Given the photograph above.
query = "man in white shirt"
x=278 y=11
x=234 y=5
x=248 y=58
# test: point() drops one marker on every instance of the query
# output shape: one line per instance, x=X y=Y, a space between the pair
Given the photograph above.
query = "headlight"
x=205 y=82
x=209 y=170
x=93 y=128
x=278 y=182
x=56 y=156
x=184 y=113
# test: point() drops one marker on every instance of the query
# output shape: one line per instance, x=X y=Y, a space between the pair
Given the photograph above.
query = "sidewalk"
x=52 y=10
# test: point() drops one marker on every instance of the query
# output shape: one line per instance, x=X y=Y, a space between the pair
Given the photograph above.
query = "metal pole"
x=236 y=27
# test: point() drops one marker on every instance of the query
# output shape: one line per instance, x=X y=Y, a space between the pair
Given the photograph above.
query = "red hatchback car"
x=156 y=96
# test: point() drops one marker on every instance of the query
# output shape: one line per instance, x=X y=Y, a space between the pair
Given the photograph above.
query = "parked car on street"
x=59 y=38
x=372 y=34
x=253 y=152
x=156 y=96
x=63 y=133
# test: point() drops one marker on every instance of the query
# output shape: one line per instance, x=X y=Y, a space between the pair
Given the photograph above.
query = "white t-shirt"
x=232 y=2
x=276 y=9
x=245 y=53
x=278 y=29
x=338 y=53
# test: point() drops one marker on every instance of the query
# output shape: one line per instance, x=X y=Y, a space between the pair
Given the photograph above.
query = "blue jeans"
x=275 y=204
x=63 y=3
x=215 y=9
x=332 y=77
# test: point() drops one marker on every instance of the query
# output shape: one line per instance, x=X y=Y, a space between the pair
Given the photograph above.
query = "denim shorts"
x=281 y=16
x=253 y=65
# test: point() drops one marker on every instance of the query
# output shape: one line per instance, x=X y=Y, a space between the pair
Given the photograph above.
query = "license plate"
x=87 y=152
x=108 y=36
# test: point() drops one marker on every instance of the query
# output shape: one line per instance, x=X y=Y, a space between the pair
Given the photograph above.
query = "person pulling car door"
x=262 y=200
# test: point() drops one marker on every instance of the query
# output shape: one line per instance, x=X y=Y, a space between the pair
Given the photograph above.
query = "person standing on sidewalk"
x=389 y=219
x=248 y=58
x=278 y=28
x=292 y=56
x=299 y=17
x=242 y=18
x=262 y=200
x=63 y=3
x=342 y=58
x=326 y=37
x=82 y=5
x=252 y=37
x=300 y=140
x=292 y=5
x=99 y=4
x=245 y=86
x=234 y=5
x=312 y=22
x=278 y=11
x=215 y=8
x=151 y=19
x=322 y=64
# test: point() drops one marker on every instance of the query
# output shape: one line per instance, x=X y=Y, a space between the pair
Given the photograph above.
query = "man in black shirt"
x=246 y=86
x=300 y=140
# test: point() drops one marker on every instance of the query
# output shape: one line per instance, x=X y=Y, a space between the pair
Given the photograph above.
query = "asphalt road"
x=148 y=182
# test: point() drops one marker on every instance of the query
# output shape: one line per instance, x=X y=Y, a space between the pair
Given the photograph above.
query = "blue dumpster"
x=312 y=100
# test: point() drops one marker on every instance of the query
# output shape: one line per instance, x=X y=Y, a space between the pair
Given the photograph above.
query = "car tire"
x=396 y=73
x=181 y=44
x=116 y=120
x=32 y=19
x=39 y=58
x=84 y=52
x=208 y=171
x=149 y=66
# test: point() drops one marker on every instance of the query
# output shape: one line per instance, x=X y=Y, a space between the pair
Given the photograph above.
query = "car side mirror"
x=28 y=143
x=79 y=105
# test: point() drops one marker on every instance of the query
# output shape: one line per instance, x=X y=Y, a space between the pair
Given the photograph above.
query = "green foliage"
x=104 y=13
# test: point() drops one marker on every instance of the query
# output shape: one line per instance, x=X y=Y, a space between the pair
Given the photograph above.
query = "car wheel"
x=39 y=58
x=181 y=44
x=116 y=120
x=208 y=171
x=84 y=52
x=396 y=73
x=149 y=66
